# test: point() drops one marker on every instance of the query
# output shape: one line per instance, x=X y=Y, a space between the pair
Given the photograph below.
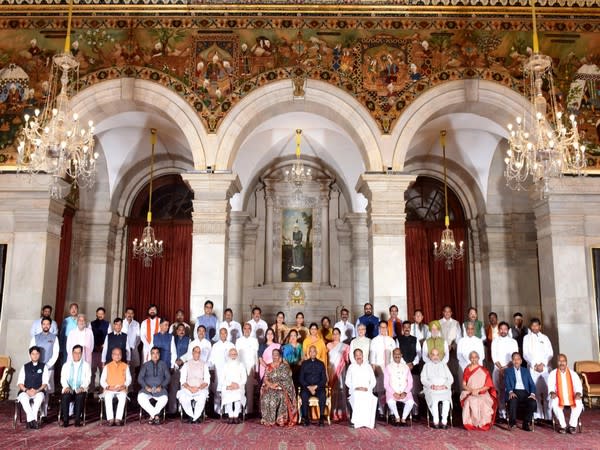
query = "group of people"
x=355 y=370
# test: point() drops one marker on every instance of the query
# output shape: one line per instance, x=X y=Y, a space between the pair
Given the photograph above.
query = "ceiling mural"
x=213 y=62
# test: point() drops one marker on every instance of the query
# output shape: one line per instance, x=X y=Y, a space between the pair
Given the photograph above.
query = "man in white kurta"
x=148 y=328
x=380 y=356
x=437 y=386
x=202 y=342
x=537 y=351
x=218 y=357
x=469 y=343
x=247 y=347
x=234 y=329
x=81 y=336
x=565 y=389
x=194 y=379
x=361 y=342
x=502 y=349
x=360 y=381
x=131 y=328
x=259 y=326
x=231 y=386
x=347 y=330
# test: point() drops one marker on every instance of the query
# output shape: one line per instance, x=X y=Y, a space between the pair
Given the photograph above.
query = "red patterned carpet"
x=214 y=434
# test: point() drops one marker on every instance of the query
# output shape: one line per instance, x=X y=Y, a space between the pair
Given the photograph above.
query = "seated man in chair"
x=232 y=387
x=520 y=390
x=32 y=382
x=360 y=380
x=154 y=380
x=398 y=384
x=565 y=389
x=115 y=379
x=313 y=379
x=75 y=377
x=437 y=386
x=195 y=379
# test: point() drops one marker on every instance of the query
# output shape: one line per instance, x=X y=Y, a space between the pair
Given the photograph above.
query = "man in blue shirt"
x=369 y=320
x=209 y=320
x=520 y=390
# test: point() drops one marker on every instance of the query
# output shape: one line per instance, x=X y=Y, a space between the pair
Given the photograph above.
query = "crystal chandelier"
x=543 y=144
x=148 y=246
x=298 y=174
x=54 y=140
x=447 y=249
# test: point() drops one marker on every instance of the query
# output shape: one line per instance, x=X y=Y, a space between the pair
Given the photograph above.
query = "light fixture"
x=148 y=246
x=447 y=249
x=54 y=140
x=544 y=144
x=298 y=174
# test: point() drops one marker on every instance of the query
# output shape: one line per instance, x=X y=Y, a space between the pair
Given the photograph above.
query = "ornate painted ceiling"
x=213 y=53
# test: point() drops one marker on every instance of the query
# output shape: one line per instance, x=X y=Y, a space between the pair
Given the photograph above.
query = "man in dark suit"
x=520 y=390
x=313 y=380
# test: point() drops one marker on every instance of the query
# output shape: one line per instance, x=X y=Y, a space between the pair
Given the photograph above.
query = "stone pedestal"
x=568 y=226
x=212 y=192
x=386 y=218
x=360 y=262
x=30 y=224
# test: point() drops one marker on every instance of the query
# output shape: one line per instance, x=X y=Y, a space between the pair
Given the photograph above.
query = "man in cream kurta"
x=437 y=386
x=360 y=381
x=502 y=349
x=537 y=351
x=231 y=385
x=398 y=386
x=194 y=379
x=565 y=389
x=380 y=355
x=361 y=342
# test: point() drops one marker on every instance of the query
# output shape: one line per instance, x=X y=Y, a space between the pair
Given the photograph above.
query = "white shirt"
x=380 y=352
x=234 y=331
x=363 y=343
x=104 y=374
x=421 y=335
x=502 y=350
x=86 y=374
x=347 y=329
x=45 y=375
x=154 y=328
x=450 y=330
x=132 y=330
x=260 y=327
x=467 y=345
x=205 y=349
x=55 y=352
x=219 y=354
x=36 y=327
x=247 y=348
x=537 y=349
x=519 y=380
x=360 y=375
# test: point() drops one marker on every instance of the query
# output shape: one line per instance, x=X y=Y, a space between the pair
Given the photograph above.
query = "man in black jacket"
x=313 y=380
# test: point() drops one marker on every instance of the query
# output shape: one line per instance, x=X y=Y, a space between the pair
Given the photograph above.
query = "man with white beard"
x=231 y=386
x=380 y=355
x=360 y=381
x=502 y=349
x=247 y=347
x=537 y=351
x=361 y=342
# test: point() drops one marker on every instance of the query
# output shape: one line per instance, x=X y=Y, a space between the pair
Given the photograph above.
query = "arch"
x=321 y=98
x=107 y=98
x=486 y=98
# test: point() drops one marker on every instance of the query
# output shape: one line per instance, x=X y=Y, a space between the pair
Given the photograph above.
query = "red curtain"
x=64 y=261
x=430 y=285
x=168 y=282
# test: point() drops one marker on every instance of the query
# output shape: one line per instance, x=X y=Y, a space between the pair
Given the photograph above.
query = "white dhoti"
x=108 y=404
x=186 y=397
x=364 y=408
x=540 y=379
x=31 y=405
x=559 y=413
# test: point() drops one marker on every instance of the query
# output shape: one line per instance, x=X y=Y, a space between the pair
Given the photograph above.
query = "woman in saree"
x=300 y=328
x=277 y=396
x=478 y=397
x=326 y=331
x=338 y=361
x=265 y=351
x=280 y=328
x=292 y=354
x=314 y=338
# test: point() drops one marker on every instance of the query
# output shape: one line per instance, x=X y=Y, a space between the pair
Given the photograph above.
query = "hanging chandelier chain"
x=153 y=143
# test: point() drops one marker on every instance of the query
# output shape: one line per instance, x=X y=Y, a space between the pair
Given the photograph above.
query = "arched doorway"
x=430 y=285
x=167 y=283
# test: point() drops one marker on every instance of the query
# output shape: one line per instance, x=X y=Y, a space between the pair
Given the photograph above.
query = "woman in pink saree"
x=265 y=351
x=338 y=361
x=478 y=397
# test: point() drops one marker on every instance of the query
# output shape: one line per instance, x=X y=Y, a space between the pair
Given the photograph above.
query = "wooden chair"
x=5 y=376
x=589 y=371
x=313 y=404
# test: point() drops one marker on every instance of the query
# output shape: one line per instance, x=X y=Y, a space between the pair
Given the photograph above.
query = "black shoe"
x=28 y=425
x=78 y=424
x=35 y=425
x=305 y=423
x=511 y=425
x=526 y=426
x=571 y=430
x=562 y=431
x=445 y=426
x=65 y=424
x=435 y=426
x=321 y=423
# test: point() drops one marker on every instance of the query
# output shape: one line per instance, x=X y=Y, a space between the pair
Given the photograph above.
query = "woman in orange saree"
x=478 y=397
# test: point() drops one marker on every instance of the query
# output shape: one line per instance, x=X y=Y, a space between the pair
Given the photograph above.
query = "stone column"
x=568 y=226
x=269 y=200
x=324 y=205
x=30 y=225
x=334 y=244
x=360 y=262
x=212 y=192
x=385 y=193
x=235 y=261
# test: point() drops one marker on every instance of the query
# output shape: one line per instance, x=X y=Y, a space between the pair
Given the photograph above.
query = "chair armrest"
x=585 y=382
